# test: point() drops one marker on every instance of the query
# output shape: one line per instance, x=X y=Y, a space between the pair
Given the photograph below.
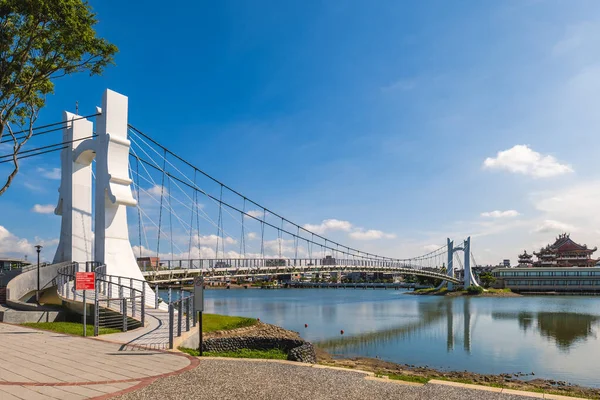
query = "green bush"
x=474 y=290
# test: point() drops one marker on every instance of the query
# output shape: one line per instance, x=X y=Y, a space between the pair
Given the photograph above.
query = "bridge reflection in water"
x=562 y=328
x=430 y=314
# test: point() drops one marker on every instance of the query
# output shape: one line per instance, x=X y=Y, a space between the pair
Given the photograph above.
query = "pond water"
x=554 y=336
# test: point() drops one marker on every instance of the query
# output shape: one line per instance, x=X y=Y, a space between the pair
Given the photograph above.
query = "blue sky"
x=381 y=115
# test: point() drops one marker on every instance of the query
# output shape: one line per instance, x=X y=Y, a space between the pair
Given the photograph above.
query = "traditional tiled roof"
x=564 y=243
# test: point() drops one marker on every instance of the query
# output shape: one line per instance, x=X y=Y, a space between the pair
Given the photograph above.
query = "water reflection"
x=430 y=315
x=565 y=329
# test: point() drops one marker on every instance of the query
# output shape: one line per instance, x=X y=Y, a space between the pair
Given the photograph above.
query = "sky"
x=387 y=126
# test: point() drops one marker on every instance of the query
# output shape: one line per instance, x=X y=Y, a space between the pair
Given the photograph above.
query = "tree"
x=40 y=41
x=487 y=279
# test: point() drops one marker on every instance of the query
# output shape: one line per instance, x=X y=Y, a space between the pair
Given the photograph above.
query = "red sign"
x=85 y=280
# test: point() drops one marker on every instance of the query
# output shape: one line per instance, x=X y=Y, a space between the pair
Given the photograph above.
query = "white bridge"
x=187 y=270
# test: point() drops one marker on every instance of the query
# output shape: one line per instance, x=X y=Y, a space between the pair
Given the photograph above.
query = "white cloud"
x=371 y=234
x=500 y=214
x=256 y=213
x=550 y=225
x=53 y=173
x=521 y=159
x=157 y=190
x=329 y=225
x=431 y=247
x=13 y=246
x=43 y=209
x=251 y=235
x=211 y=240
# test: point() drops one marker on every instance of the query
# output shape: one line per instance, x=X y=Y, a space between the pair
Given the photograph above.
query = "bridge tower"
x=469 y=279
x=75 y=195
x=113 y=192
x=467 y=263
x=450 y=268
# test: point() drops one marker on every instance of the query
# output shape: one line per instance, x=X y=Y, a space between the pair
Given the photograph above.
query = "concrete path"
x=155 y=335
x=44 y=365
x=234 y=379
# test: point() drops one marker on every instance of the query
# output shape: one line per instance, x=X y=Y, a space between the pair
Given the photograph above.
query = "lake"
x=556 y=337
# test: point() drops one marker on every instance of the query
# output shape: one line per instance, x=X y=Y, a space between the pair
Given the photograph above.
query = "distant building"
x=565 y=253
x=525 y=260
x=7 y=264
x=328 y=260
x=506 y=263
x=549 y=279
x=275 y=262
x=146 y=263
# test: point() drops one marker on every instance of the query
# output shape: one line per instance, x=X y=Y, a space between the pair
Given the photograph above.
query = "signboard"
x=199 y=294
x=85 y=280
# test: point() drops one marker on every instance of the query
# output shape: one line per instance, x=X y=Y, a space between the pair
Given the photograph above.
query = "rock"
x=304 y=353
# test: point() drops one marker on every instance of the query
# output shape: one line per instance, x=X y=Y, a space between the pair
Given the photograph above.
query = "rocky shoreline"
x=512 y=381
x=261 y=336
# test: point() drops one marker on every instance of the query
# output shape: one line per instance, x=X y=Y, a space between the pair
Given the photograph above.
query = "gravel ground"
x=247 y=380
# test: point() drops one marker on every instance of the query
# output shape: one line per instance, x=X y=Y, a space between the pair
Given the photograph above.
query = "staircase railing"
x=116 y=299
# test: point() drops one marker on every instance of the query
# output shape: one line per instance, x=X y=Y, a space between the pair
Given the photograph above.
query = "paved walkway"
x=260 y=379
x=44 y=365
x=155 y=335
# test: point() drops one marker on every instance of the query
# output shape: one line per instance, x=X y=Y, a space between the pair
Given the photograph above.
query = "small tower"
x=525 y=260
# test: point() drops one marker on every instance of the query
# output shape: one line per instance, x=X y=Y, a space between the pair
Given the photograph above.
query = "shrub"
x=474 y=290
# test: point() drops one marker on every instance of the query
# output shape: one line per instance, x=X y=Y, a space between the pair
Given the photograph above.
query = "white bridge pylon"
x=469 y=279
x=109 y=243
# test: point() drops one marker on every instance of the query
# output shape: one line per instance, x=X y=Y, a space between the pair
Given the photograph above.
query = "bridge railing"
x=254 y=263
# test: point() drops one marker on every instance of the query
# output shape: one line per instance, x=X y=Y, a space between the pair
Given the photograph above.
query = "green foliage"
x=215 y=322
x=403 y=377
x=474 y=290
x=70 y=328
x=272 y=354
x=487 y=279
x=41 y=40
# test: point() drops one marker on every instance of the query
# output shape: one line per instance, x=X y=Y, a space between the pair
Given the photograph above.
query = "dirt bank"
x=512 y=381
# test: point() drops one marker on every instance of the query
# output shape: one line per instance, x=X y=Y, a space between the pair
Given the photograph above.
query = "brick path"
x=45 y=365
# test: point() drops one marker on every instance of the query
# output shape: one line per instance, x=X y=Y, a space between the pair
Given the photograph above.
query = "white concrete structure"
x=113 y=192
x=75 y=196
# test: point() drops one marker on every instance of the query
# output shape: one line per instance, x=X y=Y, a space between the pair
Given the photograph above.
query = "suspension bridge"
x=145 y=214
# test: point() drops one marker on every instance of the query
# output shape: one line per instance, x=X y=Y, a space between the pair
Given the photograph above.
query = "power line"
x=53 y=124
x=33 y=155
x=46 y=147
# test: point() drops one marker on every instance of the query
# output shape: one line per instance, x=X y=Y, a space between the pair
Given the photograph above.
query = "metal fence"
x=183 y=310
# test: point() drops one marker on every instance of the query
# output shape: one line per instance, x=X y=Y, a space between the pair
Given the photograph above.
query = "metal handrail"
x=184 y=302
x=104 y=292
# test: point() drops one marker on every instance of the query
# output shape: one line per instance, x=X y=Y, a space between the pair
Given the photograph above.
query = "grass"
x=215 y=322
x=506 y=290
x=405 y=378
x=433 y=291
x=428 y=290
x=273 y=354
x=70 y=328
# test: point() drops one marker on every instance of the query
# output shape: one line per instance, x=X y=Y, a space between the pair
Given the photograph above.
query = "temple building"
x=564 y=253
x=525 y=260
